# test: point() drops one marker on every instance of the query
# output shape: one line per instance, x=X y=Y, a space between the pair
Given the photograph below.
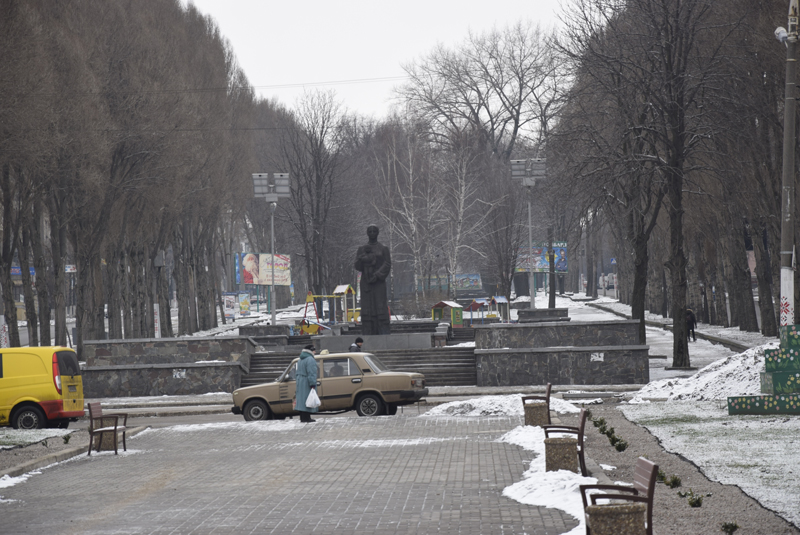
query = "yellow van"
x=40 y=387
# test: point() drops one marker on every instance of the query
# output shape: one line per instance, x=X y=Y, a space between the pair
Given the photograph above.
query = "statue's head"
x=372 y=232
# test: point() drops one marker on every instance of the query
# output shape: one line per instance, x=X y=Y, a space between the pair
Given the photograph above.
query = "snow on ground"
x=510 y=405
x=758 y=454
x=11 y=438
x=557 y=490
x=736 y=375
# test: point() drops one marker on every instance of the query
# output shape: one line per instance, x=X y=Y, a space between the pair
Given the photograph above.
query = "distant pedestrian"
x=355 y=347
x=306 y=380
x=691 y=323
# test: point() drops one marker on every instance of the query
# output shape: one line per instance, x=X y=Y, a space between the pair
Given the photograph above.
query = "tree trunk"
x=27 y=286
x=677 y=264
x=769 y=323
x=40 y=264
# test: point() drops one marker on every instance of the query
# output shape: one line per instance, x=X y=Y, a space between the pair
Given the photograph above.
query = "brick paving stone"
x=394 y=475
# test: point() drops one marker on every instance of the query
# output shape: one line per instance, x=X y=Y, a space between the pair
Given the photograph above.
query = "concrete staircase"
x=442 y=366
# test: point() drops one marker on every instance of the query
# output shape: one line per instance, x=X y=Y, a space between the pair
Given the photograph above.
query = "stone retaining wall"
x=539 y=314
x=164 y=366
x=265 y=330
x=604 y=365
x=160 y=379
x=557 y=334
x=166 y=350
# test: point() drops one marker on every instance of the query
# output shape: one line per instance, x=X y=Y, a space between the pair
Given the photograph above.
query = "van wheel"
x=369 y=405
x=29 y=418
x=256 y=410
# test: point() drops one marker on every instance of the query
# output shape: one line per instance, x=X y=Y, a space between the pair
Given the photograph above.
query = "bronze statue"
x=374 y=263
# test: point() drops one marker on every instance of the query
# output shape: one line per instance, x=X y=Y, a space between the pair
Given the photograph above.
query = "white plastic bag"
x=313 y=399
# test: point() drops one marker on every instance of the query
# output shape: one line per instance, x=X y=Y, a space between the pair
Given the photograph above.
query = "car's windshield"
x=289 y=373
x=376 y=365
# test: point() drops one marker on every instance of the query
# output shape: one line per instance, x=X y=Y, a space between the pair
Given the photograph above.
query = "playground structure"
x=448 y=311
x=313 y=325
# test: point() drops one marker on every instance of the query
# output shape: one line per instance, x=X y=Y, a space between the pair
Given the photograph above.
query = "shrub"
x=673 y=482
x=729 y=527
x=621 y=445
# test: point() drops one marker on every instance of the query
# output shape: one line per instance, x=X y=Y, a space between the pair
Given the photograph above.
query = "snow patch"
x=558 y=490
x=509 y=405
x=737 y=375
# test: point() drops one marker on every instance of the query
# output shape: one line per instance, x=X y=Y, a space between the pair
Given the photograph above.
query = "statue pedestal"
x=375 y=342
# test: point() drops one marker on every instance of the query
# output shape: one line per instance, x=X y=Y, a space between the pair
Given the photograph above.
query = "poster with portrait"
x=257 y=269
x=229 y=305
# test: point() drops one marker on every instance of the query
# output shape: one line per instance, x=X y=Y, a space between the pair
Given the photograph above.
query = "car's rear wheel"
x=29 y=418
x=256 y=410
x=369 y=405
x=391 y=409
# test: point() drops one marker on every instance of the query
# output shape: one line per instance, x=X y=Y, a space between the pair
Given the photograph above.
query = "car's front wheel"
x=369 y=405
x=256 y=410
x=29 y=418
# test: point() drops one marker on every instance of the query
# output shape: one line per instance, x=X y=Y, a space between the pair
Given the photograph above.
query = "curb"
x=57 y=457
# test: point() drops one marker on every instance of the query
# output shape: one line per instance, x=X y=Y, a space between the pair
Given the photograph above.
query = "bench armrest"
x=100 y=419
x=617 y=488
x=559 y=429
x=626 y=497
x=123 y=415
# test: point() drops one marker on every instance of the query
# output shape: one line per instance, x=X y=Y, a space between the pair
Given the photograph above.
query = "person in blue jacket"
x=306 y=379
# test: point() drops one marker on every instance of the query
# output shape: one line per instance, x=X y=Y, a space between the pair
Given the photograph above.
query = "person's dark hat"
x=359 y=340
x=310 y=347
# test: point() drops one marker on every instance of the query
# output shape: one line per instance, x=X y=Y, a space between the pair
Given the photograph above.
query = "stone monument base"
x=374 y=342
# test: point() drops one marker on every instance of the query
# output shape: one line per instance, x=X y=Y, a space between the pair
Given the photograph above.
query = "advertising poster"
x=257 y=269
x=540 y=263
x=229 y=305
x=244 y=304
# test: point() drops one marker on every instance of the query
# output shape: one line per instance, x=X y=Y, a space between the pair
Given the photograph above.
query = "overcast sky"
x=355 y=47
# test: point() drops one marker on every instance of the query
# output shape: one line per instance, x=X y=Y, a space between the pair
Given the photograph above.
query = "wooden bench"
x=98 y=427
x=571 y=430
x=545 y=398
x=644 y=485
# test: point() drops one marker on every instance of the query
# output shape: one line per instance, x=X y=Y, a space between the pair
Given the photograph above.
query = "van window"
x=68 y=363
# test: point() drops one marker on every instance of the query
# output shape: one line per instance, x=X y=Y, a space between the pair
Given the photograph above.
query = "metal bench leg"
x=124 y=446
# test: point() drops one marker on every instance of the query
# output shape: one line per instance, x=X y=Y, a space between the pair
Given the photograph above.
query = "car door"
x=286 y=390
x=341 y=378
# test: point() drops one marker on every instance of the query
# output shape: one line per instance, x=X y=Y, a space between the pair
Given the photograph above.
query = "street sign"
x=613 y=260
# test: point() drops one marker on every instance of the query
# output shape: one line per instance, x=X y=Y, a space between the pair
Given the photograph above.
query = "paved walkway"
x=398 y=474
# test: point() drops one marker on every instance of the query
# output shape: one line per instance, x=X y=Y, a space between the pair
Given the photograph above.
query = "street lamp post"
x=271 y=186
x=528 y=171
x=789 y=37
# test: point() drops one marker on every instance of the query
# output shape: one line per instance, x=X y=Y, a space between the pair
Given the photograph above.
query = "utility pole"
x=527 y=171
x=789 y=37
x=551 y=258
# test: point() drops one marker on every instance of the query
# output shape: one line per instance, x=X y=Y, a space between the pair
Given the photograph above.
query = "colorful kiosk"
x=448 y=311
